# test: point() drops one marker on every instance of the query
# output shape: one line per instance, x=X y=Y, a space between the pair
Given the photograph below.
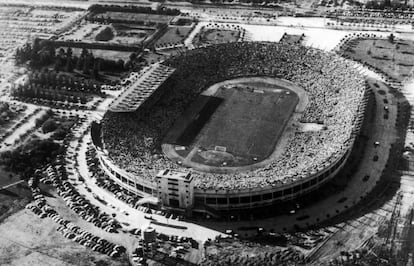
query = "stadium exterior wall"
x=249 y=198
x=229 y=199
x=132 y=183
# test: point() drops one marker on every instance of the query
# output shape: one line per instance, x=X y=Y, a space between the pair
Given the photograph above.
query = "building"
x=175 y=189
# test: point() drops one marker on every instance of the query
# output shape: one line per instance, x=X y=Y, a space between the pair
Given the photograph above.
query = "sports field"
x=235 y=126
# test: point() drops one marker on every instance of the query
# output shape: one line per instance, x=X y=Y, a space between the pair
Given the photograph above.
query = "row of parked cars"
x=138 y=256
x=39 y=205
x=80 y=204
x=86 y=239
x=69 y=230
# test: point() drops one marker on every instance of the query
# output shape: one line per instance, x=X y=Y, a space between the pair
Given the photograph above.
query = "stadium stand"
x=337 y=100
x=141 y=87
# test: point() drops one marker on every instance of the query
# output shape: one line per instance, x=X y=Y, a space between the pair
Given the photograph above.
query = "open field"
x=14 y=198
x=130 y=33
x=28 y=240
x=211 y=36
x=235 y=126
x=117 y=33
x=135 y=17
x=19 y=24
x=395 y=58
x=106 y=54
x=173 y=35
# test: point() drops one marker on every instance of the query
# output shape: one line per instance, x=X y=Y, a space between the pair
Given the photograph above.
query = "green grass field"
x=247 y=123
x=106 y=54
x=173 y=35
x=137 y=16
x=396 y=59
x=211 y=36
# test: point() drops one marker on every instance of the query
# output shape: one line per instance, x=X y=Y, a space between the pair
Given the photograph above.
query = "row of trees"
x=38 y=92
x=35 y=54
x=61 y=81
x=106 y=19
x=44 y=55
x=54 y=86
x=132 y=9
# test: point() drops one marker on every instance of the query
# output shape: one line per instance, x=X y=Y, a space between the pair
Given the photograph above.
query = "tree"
x=69 y=64
x=79 y=63
x=60 y=133
x=49 y=126
x=391 y=38
x=58 y=64
x=95 y=70
x=62 y=53
x=105 y=35
x=84 y=53
x=86 y=65
x=28 y=157
x=120 y=64
x=132 y=56
x=69 y=52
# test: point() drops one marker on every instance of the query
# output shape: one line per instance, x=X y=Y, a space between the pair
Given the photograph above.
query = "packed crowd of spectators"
x=336 y=93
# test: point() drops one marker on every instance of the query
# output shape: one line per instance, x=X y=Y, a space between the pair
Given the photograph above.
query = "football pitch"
x=236 y=126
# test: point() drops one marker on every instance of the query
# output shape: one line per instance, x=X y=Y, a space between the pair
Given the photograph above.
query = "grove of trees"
x=39 y=56
x=26 y=158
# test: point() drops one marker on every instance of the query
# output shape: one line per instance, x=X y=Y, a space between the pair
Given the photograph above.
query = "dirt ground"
x=25 y=239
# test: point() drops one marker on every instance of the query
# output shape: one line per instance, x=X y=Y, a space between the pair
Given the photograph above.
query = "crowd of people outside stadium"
x=335 y=91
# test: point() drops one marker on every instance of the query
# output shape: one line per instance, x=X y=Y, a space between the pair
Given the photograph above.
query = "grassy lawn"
x=7 y=178
x=210 y=36
x=106 y=54
x=137 y=16
x=131 y=34
x=125 y=34
x=174 y=35
x=247 y=124
x=396 y=59
x=14 y=198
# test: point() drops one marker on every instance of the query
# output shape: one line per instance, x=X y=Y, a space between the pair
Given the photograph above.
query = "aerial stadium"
x=234 y=126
